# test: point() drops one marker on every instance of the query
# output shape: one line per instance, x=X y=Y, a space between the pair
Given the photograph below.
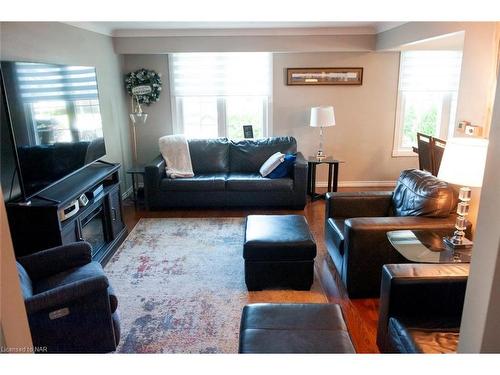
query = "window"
x=61 y=102
x=427 y=97
x=215 y=94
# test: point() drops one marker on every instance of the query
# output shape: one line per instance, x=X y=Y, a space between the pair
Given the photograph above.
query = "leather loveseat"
x=357 y=224
x=226 y=174
x=421 y=307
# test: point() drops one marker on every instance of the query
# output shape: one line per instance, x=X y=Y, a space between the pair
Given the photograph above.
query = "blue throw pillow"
x=284 y=169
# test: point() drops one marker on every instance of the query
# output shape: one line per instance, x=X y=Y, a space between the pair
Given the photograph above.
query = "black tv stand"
x=38 y=226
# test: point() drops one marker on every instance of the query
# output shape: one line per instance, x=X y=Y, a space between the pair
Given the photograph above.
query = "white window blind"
x=51 y=82
x=221 y=74
x=430 y=70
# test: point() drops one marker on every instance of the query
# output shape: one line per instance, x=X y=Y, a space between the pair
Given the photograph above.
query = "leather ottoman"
x=279 y=251
x=294 y=328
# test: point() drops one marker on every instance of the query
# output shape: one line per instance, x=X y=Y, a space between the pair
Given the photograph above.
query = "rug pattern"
x=181 y=288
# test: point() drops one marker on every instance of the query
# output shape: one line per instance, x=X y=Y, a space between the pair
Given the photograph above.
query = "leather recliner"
x=226 y=174
x=357 y=224
x=421 y=307
x=70 y=305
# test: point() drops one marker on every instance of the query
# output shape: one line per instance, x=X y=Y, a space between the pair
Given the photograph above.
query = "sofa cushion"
x=209 y=155
x=249 y=155
x=285 y=169
x=271 y=164
x=199 y=182
x=255 y=182
x=437 y=336
x=419 y=193
x=337 y=229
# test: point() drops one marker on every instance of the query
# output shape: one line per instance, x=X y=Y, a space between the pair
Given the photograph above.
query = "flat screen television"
x=54 y=122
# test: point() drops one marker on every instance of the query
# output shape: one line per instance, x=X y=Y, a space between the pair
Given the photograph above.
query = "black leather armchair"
x=421 y=307
x=70 y=305
x=357 y=224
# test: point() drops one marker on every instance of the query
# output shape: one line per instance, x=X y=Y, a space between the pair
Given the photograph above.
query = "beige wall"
x=479 y=64
x=239 y=43
x=480 y=324
x=54 y=42
x=159 y=121
x=364 y=114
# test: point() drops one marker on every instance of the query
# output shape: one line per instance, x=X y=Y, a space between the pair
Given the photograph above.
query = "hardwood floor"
x=361 y=315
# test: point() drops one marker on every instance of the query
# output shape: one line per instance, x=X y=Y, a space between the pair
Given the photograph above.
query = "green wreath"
x=140 y=80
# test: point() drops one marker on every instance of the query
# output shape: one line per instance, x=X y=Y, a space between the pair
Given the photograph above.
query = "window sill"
x=404 y=153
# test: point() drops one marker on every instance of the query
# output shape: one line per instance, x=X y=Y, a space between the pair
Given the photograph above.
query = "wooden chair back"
x=424 y=144
x=437 y=151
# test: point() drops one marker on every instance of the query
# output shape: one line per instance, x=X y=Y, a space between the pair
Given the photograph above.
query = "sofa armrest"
x=153 y=173
x=57 y=259
x=420 y=291
x=300 y=180
x=367 y=248
x=358 y=204
x=62 y=295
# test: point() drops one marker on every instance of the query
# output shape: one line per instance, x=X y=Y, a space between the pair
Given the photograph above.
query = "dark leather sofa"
x=357 y=224
x=421 y=307
x=226 y=174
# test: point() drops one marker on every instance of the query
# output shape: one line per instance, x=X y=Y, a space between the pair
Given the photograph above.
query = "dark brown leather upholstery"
x=421 y=307
x=418 y=193
x=360 y=247
x=294 y=328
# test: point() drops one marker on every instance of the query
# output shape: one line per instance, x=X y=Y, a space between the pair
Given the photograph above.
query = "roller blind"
x=37 y=82
x=221 y=74
x=430 y=70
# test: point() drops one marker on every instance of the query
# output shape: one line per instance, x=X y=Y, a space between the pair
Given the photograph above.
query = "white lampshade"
x=322 y=116
x=463 y=161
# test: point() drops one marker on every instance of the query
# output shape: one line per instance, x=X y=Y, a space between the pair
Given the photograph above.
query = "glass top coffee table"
x=423 y=246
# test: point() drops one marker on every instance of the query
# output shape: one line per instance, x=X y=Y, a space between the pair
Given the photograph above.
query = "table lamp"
x=463 y=164
x=322 y=117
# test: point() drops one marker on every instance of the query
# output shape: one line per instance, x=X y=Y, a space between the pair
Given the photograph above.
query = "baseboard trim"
x=324 y=184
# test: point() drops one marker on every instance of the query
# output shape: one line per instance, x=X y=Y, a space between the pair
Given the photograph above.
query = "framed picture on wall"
x=248 y=131
x=324 y=76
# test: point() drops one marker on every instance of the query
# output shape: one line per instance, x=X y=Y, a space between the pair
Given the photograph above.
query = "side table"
x=136 y=190
x=426 y=246
x=333 y=175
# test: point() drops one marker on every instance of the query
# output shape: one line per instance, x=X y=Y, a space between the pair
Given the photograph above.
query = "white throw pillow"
x=271 y=163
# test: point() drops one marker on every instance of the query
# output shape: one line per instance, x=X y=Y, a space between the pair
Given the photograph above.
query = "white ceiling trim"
x=96 y=27
x=176 y=29
x=243 y=32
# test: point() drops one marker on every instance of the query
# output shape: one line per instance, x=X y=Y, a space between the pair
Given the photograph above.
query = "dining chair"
x=437 y=150
x=424 y=143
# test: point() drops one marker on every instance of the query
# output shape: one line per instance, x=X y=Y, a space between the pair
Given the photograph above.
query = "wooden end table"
x=333 y=175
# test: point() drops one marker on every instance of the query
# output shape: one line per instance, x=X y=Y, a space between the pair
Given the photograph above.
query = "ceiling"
x=139 y=28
